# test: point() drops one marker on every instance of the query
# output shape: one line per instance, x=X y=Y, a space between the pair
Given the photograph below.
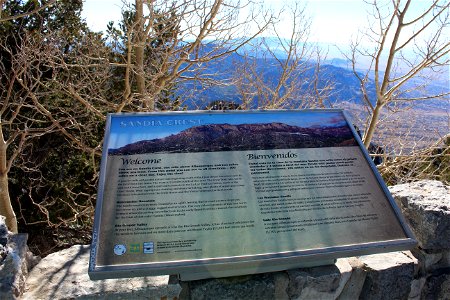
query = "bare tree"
x=407 y=45
x=46 y=88
x=139 y=50
x=22 y=114
x=189 y=34
x=282 y=70
x=41 y=93
x=37 y=9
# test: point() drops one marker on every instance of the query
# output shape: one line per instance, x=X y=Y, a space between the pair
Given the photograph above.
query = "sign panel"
x=209 y=192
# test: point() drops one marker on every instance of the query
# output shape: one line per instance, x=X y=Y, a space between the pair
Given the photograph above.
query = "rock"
x=389 y=275
x=3 y=230
x=3 y=238
x=416 y=288
x=354 y=285
x=3 y=252
x=426 y=207
x=32 y=260
x=324 y=282
x=437 y=287
x=431 y=260
x=13 y=268
x=64 y=275
x=281 y=286
x=258 y=286
x=445 y=260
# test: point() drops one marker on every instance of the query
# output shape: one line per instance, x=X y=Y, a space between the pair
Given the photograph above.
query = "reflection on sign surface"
x=183 y=190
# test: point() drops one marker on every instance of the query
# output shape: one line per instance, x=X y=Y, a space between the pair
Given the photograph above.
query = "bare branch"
x=34 y=11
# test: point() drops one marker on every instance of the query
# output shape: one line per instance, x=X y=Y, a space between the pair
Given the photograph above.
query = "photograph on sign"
x=180 y=192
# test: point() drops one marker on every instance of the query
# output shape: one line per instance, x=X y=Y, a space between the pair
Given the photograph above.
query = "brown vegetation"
x=58 y=80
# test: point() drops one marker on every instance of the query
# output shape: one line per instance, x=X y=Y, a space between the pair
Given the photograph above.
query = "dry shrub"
x=429 y=163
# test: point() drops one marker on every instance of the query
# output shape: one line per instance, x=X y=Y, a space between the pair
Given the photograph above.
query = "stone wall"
x=423 y=273
x=426 y=207
x=381 y=276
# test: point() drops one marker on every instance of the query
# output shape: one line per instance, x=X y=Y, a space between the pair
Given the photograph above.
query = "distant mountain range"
x=346 y=87
x=226 y=137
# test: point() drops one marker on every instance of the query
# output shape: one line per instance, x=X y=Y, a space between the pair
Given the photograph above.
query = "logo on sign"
x=135 y=248
x=120 y=249
x=149 y=248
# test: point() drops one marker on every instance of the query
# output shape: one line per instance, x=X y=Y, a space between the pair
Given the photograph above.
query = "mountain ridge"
x=228 y=137
x=345 y=85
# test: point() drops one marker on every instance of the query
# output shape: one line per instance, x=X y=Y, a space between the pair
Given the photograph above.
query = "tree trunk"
x=139 y=53
x=6 y=209
x=373 y=124
x=1 y=7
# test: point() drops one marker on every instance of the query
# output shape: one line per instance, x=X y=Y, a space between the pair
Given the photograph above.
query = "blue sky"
x=121 y=133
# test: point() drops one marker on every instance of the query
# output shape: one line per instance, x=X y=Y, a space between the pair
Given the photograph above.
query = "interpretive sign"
x=210 y=194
